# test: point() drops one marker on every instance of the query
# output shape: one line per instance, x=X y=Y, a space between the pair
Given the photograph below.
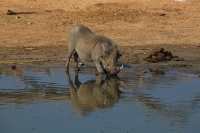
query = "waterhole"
x=39 y=99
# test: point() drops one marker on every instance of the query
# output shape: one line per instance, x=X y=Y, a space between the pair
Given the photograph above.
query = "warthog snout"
x=116 y=70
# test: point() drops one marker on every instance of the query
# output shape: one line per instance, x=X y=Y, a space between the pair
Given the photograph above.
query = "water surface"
x=39 y=99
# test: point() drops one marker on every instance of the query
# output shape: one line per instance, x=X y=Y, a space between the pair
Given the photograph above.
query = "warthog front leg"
x=76 y=57
x=71 y=52
x=100 y=68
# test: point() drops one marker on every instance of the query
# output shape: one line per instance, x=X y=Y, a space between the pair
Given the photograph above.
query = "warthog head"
x=110 y=61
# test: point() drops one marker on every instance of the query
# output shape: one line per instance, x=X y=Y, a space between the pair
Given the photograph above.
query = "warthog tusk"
x=121 y=67
x=81 y=64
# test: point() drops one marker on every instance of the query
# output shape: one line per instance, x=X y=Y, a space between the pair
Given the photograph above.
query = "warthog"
x=86 y=46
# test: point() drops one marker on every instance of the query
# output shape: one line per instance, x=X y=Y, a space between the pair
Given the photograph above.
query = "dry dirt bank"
x=132 y=22
x=52 y=55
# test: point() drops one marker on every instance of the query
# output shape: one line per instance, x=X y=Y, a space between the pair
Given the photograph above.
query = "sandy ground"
x=134 y=22
x=38 y=33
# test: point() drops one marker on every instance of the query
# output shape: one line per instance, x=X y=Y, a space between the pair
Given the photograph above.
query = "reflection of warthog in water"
x=94 y=94
x=86 y=46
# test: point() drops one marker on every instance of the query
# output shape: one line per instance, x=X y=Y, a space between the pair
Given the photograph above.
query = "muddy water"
x=40 y=100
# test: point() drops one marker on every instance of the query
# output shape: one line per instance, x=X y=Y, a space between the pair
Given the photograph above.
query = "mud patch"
x=162 y=55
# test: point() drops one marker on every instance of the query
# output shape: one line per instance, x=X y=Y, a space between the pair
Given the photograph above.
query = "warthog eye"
x=118 y=55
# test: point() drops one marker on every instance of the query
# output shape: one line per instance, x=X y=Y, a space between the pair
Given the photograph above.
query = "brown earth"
x=38 y=32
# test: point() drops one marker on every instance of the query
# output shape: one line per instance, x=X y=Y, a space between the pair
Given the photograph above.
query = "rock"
x=10 y=12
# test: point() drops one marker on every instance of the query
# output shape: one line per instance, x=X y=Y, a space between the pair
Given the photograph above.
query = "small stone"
x=29 y=23
x=163 y=14
x=13 y=67
x=17 y=17
x=10 y=12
